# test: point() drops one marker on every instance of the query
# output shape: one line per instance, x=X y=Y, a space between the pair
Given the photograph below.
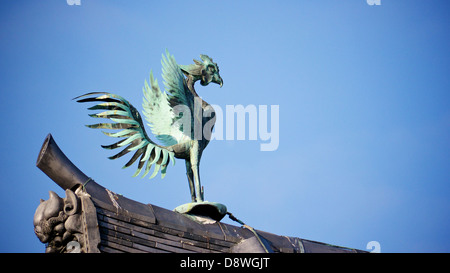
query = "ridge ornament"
x=177 y=118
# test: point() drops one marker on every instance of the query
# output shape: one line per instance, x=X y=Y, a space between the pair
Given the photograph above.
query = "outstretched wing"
x=160 y=108
x=127 y=118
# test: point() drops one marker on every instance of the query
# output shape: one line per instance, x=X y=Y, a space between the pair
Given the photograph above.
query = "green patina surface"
x=177 y=130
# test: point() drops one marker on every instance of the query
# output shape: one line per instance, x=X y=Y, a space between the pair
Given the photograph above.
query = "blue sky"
x=363 y=95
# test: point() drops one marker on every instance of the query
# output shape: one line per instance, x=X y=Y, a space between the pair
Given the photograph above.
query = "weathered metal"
x=213 y=210
x=178 y=118
x=97 y=219
x=55 y=164
x=67 y=224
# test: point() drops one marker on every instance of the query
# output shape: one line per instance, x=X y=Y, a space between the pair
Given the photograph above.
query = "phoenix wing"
x=162 y=110
x=127 y=119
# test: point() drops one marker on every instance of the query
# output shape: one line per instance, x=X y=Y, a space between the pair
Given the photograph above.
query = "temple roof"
x=115 y=223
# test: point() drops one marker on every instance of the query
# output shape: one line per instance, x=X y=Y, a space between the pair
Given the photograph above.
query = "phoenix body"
x=177 y=118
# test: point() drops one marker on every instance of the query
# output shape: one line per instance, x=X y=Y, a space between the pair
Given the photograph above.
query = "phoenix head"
x=205 y=70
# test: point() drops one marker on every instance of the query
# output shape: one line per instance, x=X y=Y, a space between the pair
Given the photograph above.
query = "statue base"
x=213 y=210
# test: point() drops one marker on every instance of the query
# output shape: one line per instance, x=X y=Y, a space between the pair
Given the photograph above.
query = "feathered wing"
x=159 y=108
x=127 y=119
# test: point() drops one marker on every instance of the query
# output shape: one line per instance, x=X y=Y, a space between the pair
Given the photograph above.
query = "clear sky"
x=364 y=111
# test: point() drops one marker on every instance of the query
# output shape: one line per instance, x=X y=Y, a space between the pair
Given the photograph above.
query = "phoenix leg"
x=190 y=176
x=195 y=162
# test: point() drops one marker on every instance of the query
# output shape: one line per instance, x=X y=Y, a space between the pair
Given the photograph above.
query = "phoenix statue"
x=177 y=118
